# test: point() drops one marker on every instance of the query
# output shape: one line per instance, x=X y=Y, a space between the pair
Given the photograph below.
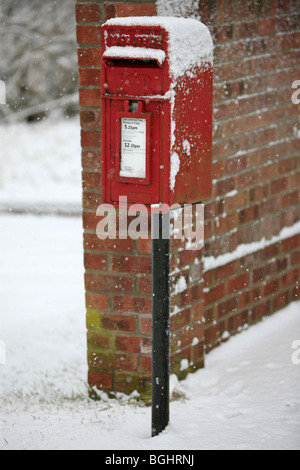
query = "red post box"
x=156 y=110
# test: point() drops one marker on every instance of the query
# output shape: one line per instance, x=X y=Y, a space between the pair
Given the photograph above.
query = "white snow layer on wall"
x=180 y=286
x=211 y=262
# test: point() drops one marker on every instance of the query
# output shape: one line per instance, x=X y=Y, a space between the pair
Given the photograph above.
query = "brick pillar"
x=256 y=184
x=118 y=272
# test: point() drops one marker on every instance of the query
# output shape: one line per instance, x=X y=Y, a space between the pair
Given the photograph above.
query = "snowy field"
x=40 y=167
x=246 y=398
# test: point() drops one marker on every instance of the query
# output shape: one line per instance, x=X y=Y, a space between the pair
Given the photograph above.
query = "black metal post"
x=160 y=322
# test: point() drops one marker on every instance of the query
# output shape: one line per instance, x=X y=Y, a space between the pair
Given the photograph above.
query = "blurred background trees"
x=38 y=61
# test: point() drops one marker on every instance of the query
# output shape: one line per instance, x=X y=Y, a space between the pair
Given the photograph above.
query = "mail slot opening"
x=132 y=63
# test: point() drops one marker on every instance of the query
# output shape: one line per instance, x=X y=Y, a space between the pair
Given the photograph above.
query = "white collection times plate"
x=133 y=148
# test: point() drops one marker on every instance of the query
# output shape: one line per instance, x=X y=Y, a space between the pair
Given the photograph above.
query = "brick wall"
x=256 y=163
x=255 y=195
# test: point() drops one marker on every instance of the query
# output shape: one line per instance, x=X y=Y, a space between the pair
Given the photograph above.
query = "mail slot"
x=156 y=90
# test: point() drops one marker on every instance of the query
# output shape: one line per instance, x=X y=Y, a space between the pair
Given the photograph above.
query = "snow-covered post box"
x=156 y=110
x=156 y=93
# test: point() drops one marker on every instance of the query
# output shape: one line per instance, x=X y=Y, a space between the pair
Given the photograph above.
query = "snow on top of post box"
x=135 y=53
x=190 y=42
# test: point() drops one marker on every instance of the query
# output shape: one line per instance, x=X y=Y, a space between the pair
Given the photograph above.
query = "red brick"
x=95 y=261
x=132 y=264
x=90 y=139
x=237 y=284
x=119 y=323
x=97 y=301
x=198 y=311
x=145 y=285
x=279 y=185
x=91 y=200
x=89 y=77
x=295 y=259
x=282 y=264
x=133 y=344
x=186 y=297
x=214 y=294
x=98 y=341
x=188 y=257
x=90 y=220
x=237 y=321
x=290 y=244
x=269 y=206
x=212 y=333
x=90 y=118
x=224 y=186
x=100 y=379
x=89 y=35
x=146 y=325
x=92 y=243
x=224 y=72
x=280 y=301
x=130 y=304
x=145 y=246
x=115 y=361
x=236 y=164
x=180 y=319
x=290 y=198
x=229 y=306
x=198 y=355
x=109 y=283
x=287 y=23
x=223 y=272
x=87 y=13
x=291 y=277
x=176 y=358
x=90 y=56
x=236 y=202
x=188 y=334
x=266 y=26
x=225 y=224
x=260 y=274
x=90 y=97
x=121 y=9
x=127 y=382
x=270 y=287
x=91 y=159
x=258 y=312
x=91 y=180
x=146 y=364
x=288 y=164
x=249 y=214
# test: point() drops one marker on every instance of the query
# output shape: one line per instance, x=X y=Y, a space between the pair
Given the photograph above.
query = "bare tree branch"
x=38 y=60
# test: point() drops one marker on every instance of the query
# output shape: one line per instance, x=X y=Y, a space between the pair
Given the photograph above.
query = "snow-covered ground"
x=40 y=166
x=246 y=398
